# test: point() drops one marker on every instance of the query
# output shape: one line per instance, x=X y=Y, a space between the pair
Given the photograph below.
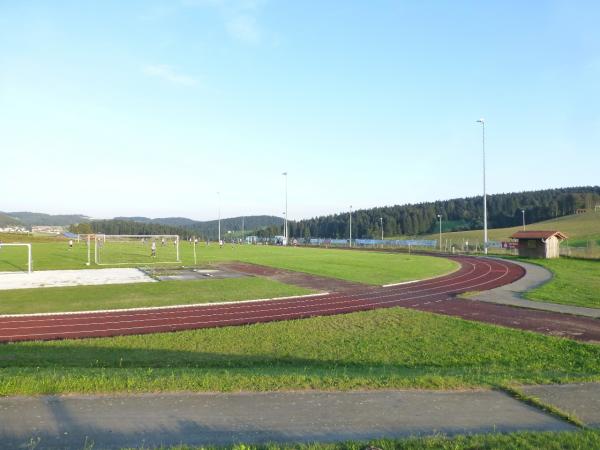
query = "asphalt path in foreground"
x=435 y=295
x=152 y=420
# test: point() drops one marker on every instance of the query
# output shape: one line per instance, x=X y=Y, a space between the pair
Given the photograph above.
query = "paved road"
x=221 y=419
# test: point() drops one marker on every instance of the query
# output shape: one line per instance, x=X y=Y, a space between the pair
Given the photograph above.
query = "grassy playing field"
x=364 y=267
x=576 y=282
x=389 y=348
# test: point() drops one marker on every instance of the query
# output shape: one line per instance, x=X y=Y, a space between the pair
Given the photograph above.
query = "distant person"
x=70 y=244
x=221 y=243
x=162 y=242
x=153 y=247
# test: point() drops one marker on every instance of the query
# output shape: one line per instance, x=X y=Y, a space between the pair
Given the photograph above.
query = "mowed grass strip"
x=388 y=348
x=576 y=282
x=584 y=439
x=359 y=266
x=165 y=293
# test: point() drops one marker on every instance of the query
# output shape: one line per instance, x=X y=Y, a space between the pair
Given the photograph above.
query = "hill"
x=504 y=210
x=578 y=227
x=31 y=218
x=7 y=220
x=177 y=225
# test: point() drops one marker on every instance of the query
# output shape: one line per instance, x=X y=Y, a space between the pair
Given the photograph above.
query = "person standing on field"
x=70 y=244
x=153 y=249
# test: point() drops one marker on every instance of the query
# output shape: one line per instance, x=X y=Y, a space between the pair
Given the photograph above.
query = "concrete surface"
x=511 y=294
x=114 y=421
x=84 y=277
x=582 y=400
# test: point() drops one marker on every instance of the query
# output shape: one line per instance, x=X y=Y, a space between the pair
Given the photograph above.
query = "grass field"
x=576 y=282
x=90 y=298
x=579 y=228
x=576 y=440
x=389 y=348
x=364 y=267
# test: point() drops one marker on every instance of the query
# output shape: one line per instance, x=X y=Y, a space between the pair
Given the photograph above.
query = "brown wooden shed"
x=539 y=244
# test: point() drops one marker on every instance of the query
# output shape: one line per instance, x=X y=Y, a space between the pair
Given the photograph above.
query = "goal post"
x=27 y=246
x=127 y=249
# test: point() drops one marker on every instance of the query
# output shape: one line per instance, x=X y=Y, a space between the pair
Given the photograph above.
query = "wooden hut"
x=539 y=244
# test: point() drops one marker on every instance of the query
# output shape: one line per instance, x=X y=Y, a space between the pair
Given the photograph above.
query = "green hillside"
x=6 y=220
x=578 y=227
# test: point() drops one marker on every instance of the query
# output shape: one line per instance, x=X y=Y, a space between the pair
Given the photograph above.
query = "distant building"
x=45 y=229
x=539 y=244
x=13 y=229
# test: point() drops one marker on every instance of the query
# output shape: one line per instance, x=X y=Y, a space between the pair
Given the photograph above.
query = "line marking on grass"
x=146 y=308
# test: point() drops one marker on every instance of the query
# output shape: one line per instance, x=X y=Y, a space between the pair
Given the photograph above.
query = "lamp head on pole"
x=482 y=121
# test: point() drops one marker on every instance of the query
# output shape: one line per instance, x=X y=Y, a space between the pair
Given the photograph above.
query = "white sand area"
x=85 y=277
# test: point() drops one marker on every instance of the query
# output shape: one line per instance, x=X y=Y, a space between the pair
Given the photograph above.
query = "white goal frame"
x=101 y=236
x=29 y=260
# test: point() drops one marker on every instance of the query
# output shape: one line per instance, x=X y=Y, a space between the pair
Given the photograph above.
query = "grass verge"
x=165 y=293
x=586 y=439
x=389 y=348
x=576 y=282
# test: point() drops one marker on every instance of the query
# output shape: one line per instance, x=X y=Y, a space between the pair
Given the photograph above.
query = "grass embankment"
x=90 y=298
x=390 y=348
x=362 y=267
x=587 y=439
x=576 y=282
x=580 y=228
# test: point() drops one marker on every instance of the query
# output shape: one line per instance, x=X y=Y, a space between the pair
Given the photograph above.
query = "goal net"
x=15 y=258
x=117 y=249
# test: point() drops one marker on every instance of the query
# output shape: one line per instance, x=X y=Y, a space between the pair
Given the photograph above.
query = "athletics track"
x=436 y=295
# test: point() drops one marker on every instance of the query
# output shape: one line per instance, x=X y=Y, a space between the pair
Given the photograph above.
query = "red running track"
x=475 y=274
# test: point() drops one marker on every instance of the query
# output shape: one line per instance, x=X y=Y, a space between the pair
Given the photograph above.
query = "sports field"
x=362 y=267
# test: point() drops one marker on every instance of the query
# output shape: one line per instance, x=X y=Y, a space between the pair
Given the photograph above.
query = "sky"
x=149 y=108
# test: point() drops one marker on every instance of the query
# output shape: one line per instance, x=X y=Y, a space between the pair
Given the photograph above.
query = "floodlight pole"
x=381 y=221
x=440 y=219
x=485 y=230
x=285 y=226
x=350 y=241
x=219 y=214
x=523 y=211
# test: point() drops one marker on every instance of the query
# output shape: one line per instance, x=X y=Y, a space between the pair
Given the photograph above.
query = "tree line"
x=504 y=210
x=459 y=214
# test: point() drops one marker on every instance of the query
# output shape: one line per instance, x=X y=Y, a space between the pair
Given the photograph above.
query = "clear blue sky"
x=151 y=107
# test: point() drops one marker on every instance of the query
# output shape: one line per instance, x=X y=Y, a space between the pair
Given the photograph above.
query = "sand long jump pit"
x=84 y=277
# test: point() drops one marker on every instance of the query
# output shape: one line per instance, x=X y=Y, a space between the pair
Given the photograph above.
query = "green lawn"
x=89 y=298
x=388 y=348
x=576 y=440
x=361 y=266
x=576 y=282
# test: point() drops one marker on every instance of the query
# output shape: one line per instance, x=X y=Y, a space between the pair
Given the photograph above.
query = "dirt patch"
x=301 y=279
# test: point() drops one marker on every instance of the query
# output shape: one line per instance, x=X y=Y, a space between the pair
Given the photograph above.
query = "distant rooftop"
x=538 y=234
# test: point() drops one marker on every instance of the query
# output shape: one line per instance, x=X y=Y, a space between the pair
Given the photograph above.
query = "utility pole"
x=485 y=230
x=285 y=227
x=523 y=211
x=350 y=225
x=381 y=220
x=440 y=218
x=219 y=201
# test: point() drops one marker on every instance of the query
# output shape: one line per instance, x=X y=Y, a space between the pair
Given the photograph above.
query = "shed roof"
x=538 y=234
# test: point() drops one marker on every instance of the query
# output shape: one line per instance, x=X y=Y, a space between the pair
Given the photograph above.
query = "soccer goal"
x=121 y=249
x=13 y=257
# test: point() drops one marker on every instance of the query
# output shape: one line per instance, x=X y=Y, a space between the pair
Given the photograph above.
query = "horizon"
x=151 y=108
x=281 y=217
